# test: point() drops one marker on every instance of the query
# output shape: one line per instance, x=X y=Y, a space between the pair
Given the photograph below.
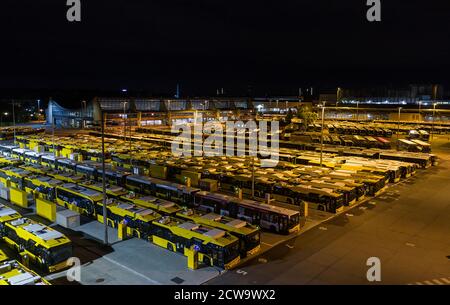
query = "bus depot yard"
x=174 y=220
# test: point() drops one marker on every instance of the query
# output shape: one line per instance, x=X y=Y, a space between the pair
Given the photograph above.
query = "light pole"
x=398 y=122
x=432 y=126
x=14 y=121
x=105 y=219
x=83 y=112
x=124 y=121
x=420 y=106
x=321 y=133
x=357 y=110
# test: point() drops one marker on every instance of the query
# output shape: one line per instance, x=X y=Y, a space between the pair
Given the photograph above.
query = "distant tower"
x=177 y=95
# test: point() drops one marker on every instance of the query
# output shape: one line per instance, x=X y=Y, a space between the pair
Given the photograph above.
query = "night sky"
x=270 y=46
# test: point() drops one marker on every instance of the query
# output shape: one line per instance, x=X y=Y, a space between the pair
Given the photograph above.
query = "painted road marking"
x=363 y=208
x=372 y=202
x=441 y=281
x=349 y=215
x=262 y=260
x=410 y=245
x=290 y=246
x=323 y=228
x=242 y=272
x=447 y=281
x=270 y=245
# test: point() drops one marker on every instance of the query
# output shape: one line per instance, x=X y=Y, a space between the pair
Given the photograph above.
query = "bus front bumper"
x=61 y=266
x=233 y=263
x=339 y=210
x=295 y=229
x=254 y=250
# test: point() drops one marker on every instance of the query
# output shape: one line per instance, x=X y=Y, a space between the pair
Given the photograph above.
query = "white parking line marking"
x=410 y=245
x=262 y=260
x=270 y=245
x=349 y=215
x=428 y=282
x=363 y=208
x=241 y=272
x=438 y=282
x=289 y=246
x=323 y=228
x=447 y=281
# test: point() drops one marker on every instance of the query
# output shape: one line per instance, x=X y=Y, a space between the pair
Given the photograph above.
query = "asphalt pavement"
x=407 y=228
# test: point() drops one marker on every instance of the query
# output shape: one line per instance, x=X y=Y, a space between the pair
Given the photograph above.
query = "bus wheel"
x=290 y=201
x=272 y=228
x=170 y=247
x=321 y=208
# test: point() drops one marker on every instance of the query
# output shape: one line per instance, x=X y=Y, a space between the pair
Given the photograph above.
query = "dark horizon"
x=246 y=48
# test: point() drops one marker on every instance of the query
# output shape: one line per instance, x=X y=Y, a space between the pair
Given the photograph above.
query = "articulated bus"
x=77 y=198
x=360 y=169
x=113 y=191
x=162 y=206
x=249 y=235
x=350 y=193
x=8 y=161
x=266 y=216
x=373 y=185
x=13 y=176
x=41 y=186
x=320 y=199
x=14 y=273
x=162 y=189
x=137 y=220
x=232 y=183
x=44 y=246
x=33 y=157
x=214 y=246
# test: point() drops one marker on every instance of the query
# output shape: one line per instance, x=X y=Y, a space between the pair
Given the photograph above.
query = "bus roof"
x=39 y=232
x=6 y=211
x=94 y=195
x=406 y=142
x=421 y=143
x=203 y=232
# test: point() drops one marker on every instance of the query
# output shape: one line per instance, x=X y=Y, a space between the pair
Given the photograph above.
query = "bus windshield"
x=253 y=240
x=294 y=221
x=60 y=254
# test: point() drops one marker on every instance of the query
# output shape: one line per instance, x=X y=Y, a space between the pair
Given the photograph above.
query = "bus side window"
x=241 y=211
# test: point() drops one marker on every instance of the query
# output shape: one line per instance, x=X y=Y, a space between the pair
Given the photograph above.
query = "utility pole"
x=321 y=134
x=432 y=126
x=53 y=138
x=357 y=110
x=253 y=177
x=14 y=121
x=105 y=218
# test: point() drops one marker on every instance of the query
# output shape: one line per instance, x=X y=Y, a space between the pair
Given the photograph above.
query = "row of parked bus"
x=322 y=197
x=145 y=217
x=353 y=140
x=49 y=184
x=345 y=128
x=7 y=133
